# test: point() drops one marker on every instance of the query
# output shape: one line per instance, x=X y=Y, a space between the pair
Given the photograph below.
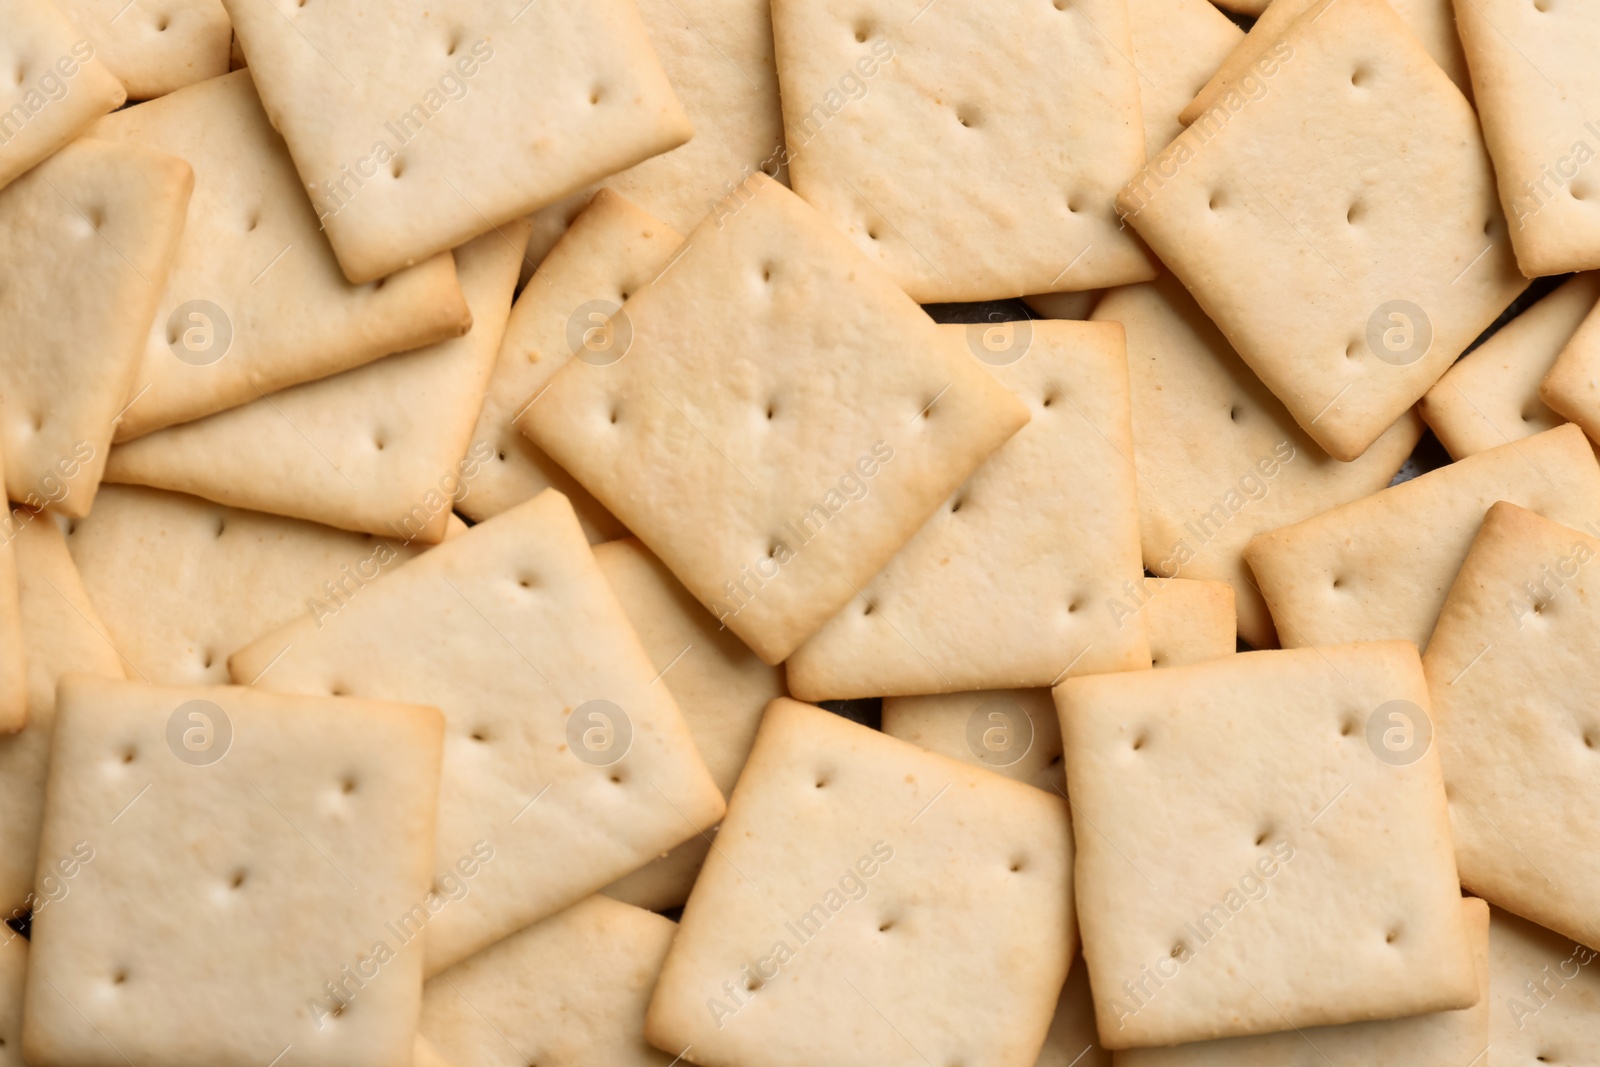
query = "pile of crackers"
x=769 y=533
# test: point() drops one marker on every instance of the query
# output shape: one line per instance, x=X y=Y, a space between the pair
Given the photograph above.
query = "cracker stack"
x=766 y=533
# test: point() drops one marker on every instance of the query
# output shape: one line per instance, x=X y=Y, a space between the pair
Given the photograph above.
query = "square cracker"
x=721 y=686
x=1015 y=732
x=1538 y=94
x=773 y=417
x=571 y=989
x=156 y=46
x=1572 y=388
x=1177 y=46
x=415 y=129
x=1491 y=396
x=1239 y=823
x=1546 y=994
x=1220 y=459
x=718 y=56
x=1513 y=667
x=920 y=906
x=1355 y=188
x=51 y=54
x=1438 y=1039
x=560 y=751
x=1017 y=580
x=380 y=449
x=61 y=634
x=280 y=312
x=1379 y=568
x=243 y=850
x=211 y=578
x=610 y=251
x=89 y=235
x=1431 y=21
x=967 y=173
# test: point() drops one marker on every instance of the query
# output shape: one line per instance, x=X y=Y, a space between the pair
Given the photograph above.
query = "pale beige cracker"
x=1456 y=1038
x=205 y=830
x=254 y=301
x=1073 y=1040
x=1177 y=46
x=416 y=129
x=1572 y=388
x=1491 y=396
x=1538 y=94
x=611 y=250
x=718 y=56
x=1017 y=579
x=1234 y=822
x=62 y=88
x=1432 y=21
x=1379 y=568
x=156 y=46
x=1190 y=620
x=1545 y=994
x=561 y=754
x=1511 y=668
x=966 y=172
x=181 y=583
x=1354 y=188
x=61 y=634
x=1219 y=458
x=870 y=902
x=89 y=236
x=567 y=991
x=720 y=685
x=773 y=488
x=379 y=449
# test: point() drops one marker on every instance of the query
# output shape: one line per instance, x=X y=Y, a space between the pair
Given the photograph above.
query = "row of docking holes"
x=1348 y=727
x=129 y=753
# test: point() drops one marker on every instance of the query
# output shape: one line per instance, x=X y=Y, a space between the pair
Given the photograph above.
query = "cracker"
x=967 y=173
x=156 y=46
x=198 y=830
x=1538 y=94
x=61 y=634
x=416 y=130
x=773 y=488
x=89 y=235
x=1190 y=621
x=1013 y=732
x=561 y=753
x=1546 y=994
x=64 y=86
x=1223 y=802
x=952 y=887
x=1021 y=576
x=611 y=250
x=1572 y=388
x=1511 y=668
x=425 y=1054
x=1352 y=185
x=1431 y=21
x=1073 y=1040
x=209 y=578
x=13 y=660
x=718 y=55
x=570 y=989
x=1220 y=459
x=1379 y=568
x=721 y=686
x=1177 y=46
x=255 y=301
x=379 y=449
x=1491 y=396
x=1440 y=1039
